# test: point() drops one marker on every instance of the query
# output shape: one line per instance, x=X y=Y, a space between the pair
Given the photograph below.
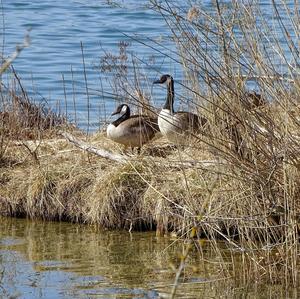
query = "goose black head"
x=122 y=108
x=163 y=79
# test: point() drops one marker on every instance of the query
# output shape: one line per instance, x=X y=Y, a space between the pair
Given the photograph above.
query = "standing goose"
x=177 y=125
x=132 y=131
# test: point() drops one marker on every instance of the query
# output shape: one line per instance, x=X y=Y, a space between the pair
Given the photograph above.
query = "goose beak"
x=114 y=113
x=157 y=82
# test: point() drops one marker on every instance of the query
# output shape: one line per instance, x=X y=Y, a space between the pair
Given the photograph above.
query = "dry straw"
x=239 y=183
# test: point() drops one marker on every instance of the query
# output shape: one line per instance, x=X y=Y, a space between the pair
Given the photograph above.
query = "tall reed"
x=252 y=201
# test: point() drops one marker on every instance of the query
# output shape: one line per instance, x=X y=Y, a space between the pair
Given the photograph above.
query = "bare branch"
x=19 y=49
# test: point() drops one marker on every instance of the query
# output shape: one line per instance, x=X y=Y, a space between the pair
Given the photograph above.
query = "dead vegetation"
x=239 y=184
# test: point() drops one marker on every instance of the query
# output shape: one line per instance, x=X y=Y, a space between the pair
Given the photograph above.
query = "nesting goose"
x=131 y=130
x=176 y=126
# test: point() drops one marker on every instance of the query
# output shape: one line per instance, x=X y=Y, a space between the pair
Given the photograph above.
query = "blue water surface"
x=52 y=66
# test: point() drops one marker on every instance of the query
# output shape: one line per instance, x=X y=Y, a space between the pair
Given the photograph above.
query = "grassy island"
x=239 y=183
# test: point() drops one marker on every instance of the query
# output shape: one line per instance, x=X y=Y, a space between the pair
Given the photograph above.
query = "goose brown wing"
x=141 y=125
x=191 y=121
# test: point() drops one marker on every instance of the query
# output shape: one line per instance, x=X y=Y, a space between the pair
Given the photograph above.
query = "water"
x=57 y=29
x=63 y=260
x=52 y=67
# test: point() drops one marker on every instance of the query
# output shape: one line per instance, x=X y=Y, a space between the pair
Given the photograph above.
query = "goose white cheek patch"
x=124 y=109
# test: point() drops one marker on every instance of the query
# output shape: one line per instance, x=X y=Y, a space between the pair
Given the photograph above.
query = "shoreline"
x=59 y=181
x=51 y=179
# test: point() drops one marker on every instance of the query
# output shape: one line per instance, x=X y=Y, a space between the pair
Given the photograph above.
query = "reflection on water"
x=62 y=260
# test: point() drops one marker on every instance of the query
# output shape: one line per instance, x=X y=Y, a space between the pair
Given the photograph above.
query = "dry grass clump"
x=31 y=190
x=23 y=119
x=115 y=200
x=72 y=195
x=32 y=160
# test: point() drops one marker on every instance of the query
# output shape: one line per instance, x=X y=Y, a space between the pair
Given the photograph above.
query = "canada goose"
x=132 y=131
x=254 y=100
x=176 y=125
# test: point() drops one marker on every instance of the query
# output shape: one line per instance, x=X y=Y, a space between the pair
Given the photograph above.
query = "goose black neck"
x=170 y=96
x=123 y=117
